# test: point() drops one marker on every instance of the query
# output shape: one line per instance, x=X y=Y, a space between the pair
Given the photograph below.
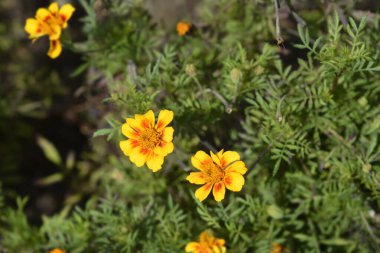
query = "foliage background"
x=304 y=116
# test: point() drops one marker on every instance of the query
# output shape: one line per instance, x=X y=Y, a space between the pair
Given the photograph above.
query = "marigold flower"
x=57 y=250
x=207 y=244
x=148 y=142
x=277 y=248
x=183 y=28
x=218 y=171
x=50 y=22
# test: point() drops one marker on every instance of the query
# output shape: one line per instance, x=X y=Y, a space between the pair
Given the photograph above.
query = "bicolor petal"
x=219 y=191
x=154 y=162
x=196 y=178
x=164 y=119
x=238 y=166
x=229 y=157
x=200 y=159
x=234 y=181
x=202 y=192
x=55 y=49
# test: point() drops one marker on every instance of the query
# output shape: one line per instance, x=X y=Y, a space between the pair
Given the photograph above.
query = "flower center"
x=149 y=138
x=214 y=172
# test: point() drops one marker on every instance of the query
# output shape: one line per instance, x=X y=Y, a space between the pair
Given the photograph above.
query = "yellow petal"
x=234 y=181
x=129 y=131
x=215 y=158
x=44 y=15
x=65 y=13
x=164 y=118
x=219 y=191
x=196 y=178
x=220 y=242
x=238 y=166
x=33 y=27
x=55 y=49
x=164 y=148
x=127 y=146
x=53 y=8
x=167 y=134
x=154 y=162
x=54 y=32
x=202 y=192
x=192 y=247
x=215 y=249
x=200 y=159
x=146 y=120
x=139 y=156
x=134 y=123
x=228 y=157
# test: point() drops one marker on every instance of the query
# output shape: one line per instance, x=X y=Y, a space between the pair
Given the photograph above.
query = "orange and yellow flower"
x=218 y=172
x=207 y=244
x=277 y=248
x=183 y=28
x=148 y=142
x=57 y=250
x=50 y=22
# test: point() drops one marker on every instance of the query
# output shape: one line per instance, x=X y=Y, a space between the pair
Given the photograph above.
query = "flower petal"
x=134 y=123
x=238 y=166
x=202 y=192
x=44 y=15
x=33 y=27
x=154 y=162
x=53 y=8
x=164 y=118
x=167 y=134
x=200 y=159
x=54 y=32
x=129 y=131
x=219 y=191
x=196 y=178
x=127 y=146
x=215 y=158
x=164 y=148
x=139 y=156
x=55 y=49
x=234 y=181
x=65 y=14
x=146 y=120
x=192 y=247
x=228 y=157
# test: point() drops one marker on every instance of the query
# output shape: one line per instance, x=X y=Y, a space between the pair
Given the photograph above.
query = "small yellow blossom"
x=207 y=244
x=183 y=28
x=277 y=248
x=50 y=22
x=148 y=142
x=218 y=171
x=57 y=250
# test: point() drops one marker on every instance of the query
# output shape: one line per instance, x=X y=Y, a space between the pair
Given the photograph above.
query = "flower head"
x=218 y=172
x=207 y=244
x=50 y=22
x=148 y=142
x=277 y=248
x=57 y=250
x=183 y=28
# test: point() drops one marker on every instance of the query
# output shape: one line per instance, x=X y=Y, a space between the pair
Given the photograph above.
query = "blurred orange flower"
x=50 y=22
x=207 y=244
x=183 y=28
x=57 y=250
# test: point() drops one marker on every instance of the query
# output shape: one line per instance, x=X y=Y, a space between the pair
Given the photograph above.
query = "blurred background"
x=49 y=109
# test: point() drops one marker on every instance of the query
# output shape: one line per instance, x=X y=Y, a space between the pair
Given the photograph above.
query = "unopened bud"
x=235 y=75
x=191 y=70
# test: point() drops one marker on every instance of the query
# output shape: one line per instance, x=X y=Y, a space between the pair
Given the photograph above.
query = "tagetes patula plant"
x=183 y=28
x=50 y=22
x=57 y=250
x=218 y=172
x=148 y=142
x=207 y=244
